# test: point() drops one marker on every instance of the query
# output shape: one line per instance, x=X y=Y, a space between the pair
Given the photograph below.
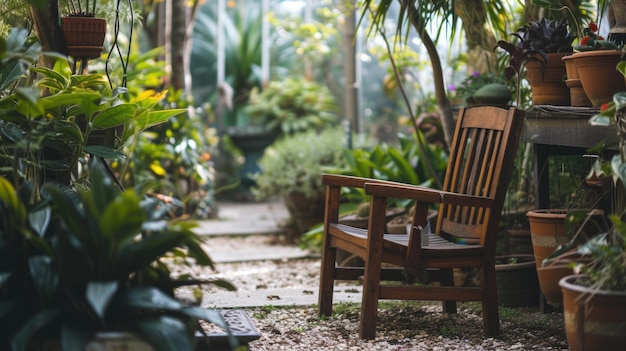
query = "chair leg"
x=447 y=279
x=327 y=281
x=491 y=319
x=369 y=301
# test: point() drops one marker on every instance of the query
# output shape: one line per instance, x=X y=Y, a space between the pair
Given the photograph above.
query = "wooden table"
x=561 y=130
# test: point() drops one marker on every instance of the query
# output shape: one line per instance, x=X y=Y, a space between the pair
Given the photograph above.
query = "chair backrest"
x=481 y=162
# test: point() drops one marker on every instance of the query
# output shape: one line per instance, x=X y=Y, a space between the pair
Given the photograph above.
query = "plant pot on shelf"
x=548 y=84
x=578 y=98
x=598 y=75
x=594 y=319
x=492 y=94
x=516 y=278
x=84 y=36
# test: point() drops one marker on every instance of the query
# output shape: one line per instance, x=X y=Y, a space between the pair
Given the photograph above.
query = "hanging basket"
x=84 y=36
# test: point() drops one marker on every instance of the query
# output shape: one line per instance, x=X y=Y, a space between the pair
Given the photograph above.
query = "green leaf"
x=100 y=294
x=151 y=119
x=35 y=323
x=148 y=297
x=104 y=151
x=166 y=333
x=44 y=276
x=114 y=116
x=39 y=220
x=141 y=253
x=122 y=218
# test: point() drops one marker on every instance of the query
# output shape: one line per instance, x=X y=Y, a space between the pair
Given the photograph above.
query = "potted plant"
x=594 y=301
x=292 y=167
x=79 y=263
x=519 y=56
x=596 y=59
x=547 y=78
x=46 y=138
x=292 y=105
x=83 y=32
x=483 y=89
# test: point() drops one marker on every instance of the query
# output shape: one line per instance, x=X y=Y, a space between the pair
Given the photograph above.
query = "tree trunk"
x=447 y=119
x=480 y=42
x=46 y=19
x=177 y=39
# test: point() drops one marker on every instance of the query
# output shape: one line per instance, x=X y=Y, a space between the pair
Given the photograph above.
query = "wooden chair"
x=479 y=169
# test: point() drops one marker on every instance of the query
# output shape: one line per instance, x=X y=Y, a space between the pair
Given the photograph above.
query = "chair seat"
x=438 y=247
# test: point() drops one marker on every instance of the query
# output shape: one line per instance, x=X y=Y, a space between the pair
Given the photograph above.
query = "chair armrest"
x=352 y=181
x=418 y=193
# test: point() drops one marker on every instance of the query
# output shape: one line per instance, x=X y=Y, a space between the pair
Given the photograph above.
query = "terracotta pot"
x=594 y=319
x=517 y=282
x=84 y=36
x=548 y=87
x=598 y=75
x=549 y=278
x=578 y=98
x=547 y=232
x=551 y=274
x=305 y=211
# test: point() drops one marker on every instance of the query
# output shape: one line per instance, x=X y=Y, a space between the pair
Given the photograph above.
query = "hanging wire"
x=124 y=59
x=115 y=47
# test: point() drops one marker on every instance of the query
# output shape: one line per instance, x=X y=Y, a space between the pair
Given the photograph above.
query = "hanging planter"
x=84 y=36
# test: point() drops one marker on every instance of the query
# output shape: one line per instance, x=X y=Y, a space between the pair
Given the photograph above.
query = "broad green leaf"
x=35 y=323
x=166 y=333
x=154 y=118
x=104 y=151
x=44 y=276
x=114 y=116
x=39 y=220
x=121 y=219
x=100 y=294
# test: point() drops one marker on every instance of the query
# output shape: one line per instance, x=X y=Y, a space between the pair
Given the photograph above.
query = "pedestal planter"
x=598 y=74
x=578 y=98
x=305 y=211
x=252 y=141
x=517 y=282
x=84 y=36
x=594 y=319
x=548 y=85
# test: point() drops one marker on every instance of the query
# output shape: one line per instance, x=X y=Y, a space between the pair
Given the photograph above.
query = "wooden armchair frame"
x=479 y=169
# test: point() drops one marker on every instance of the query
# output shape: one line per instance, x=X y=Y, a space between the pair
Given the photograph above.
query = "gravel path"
x=411 y=325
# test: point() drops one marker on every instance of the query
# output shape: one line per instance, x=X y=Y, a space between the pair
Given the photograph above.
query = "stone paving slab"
x=272 y=253
x=278 y=297
x=242 y=218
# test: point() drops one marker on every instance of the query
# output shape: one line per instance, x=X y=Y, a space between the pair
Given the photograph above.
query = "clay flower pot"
x=548 y=87
x=594 y=319
x=578 y=98
x=598 y=74
x=547 y=232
